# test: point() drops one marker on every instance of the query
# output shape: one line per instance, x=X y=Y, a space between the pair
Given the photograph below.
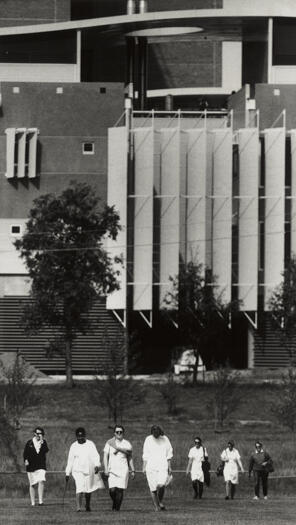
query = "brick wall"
x=185 y=64
x=26 y=12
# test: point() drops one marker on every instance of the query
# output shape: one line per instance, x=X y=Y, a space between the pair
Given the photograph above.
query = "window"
x=88 y=148
x=102 y=90
x=15 y=229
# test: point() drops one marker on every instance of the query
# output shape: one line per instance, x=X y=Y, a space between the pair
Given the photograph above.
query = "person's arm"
x=106 y=460
x=45 y=447
x=205 y=456
x=189 y=465
x=169 y=454
x=131 y=467
x=70 y=462
x=224 y=456
x=239 y=462
x=266 y=459
x=251 y=465
x=26 y=454
x=95 y=457
x=145 y=454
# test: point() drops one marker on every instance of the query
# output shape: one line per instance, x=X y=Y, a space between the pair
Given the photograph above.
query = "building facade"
x=182 y=114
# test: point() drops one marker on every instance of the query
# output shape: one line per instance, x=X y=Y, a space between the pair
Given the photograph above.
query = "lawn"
x=138 y=510
x=61 y=410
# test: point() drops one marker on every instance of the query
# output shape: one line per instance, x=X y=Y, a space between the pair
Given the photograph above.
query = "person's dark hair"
x=120 y=427
x=231 y=442
x=157 y=427
x=258 y=442
x=40 y=429
x=80 y=430
x=197 y=438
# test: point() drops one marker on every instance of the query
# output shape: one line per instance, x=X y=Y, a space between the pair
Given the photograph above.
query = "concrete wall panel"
x=274 y=208
x=143 y=221
x=222 y=211
x=117 y=196
x=248 y=141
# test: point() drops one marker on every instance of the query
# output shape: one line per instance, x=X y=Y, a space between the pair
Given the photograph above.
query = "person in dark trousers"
x=258 y=465
x=118 y=463
x=196 y=457
x=35 y=461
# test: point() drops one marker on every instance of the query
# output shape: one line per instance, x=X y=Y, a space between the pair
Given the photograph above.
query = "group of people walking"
x=89 y=474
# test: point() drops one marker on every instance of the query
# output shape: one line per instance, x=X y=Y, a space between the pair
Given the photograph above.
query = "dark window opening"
x=88 y=148
x=284 y=42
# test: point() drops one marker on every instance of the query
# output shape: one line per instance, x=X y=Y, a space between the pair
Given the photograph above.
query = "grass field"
x=60 y=411
x=138 y=511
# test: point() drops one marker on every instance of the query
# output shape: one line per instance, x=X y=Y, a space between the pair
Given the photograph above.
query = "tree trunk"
x=68 y=363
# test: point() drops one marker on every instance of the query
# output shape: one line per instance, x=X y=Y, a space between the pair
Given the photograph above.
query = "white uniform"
x=157 y=452
x=118 y=464
x=197 y=455
x=231 y=458
x=82 y=460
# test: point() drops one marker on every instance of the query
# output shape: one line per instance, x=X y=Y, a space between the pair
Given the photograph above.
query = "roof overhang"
x=234 y=13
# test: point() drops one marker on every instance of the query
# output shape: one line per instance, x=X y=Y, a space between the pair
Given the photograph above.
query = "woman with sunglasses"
x=118 y=462
x=35 y=461
x=196 y=457
x=232 y=461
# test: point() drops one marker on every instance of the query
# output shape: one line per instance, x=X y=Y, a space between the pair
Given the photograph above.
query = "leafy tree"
x=282 y=306
x=200 y=313
x=67 y=263
x=18 y=395
x=285 y=407
x=116 y=391
x=170 y=390
x=226 y=395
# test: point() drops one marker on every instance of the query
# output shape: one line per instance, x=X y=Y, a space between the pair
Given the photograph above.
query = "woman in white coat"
x=196 y=457
x=83 y=463
x=157 y=455
x=118 y=462
x=232 y=462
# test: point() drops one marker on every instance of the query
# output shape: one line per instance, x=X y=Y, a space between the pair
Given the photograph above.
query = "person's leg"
x=119 y=498
x=112 y=493
x=232 y=490
x=200 y=489
x=32 y=495
x=227 y=489
x=87 y=501
x=195 y=488
x=79 y=501
x=264 y=477
x=40 y=492
x=257 y=483
x=155 y=500
x=160 y=493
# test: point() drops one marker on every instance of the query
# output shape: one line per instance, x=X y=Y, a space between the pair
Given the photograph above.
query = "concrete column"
x=130 y=72
x=270 y=47
x=169 y=103
x=143 y=6
x=131 y=7
x=142 y=83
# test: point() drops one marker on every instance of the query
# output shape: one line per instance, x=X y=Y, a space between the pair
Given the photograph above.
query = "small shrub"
x=170 y=393
x=285 y=408
x=226 y=396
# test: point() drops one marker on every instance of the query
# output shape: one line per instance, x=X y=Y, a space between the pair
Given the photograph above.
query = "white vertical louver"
x=21 y=152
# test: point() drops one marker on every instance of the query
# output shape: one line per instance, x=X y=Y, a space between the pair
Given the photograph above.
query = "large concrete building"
x=179 y=112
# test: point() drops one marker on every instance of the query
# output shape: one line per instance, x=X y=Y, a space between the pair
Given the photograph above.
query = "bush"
x=226 y=396
x=285 y=408
x=170 y=393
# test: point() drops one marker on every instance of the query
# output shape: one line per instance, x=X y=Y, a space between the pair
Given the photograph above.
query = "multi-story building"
x=179 y=112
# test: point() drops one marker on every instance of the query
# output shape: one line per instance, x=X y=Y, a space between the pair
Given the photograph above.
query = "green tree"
x=282 y=306
x=67 y=263
x=200 y=313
